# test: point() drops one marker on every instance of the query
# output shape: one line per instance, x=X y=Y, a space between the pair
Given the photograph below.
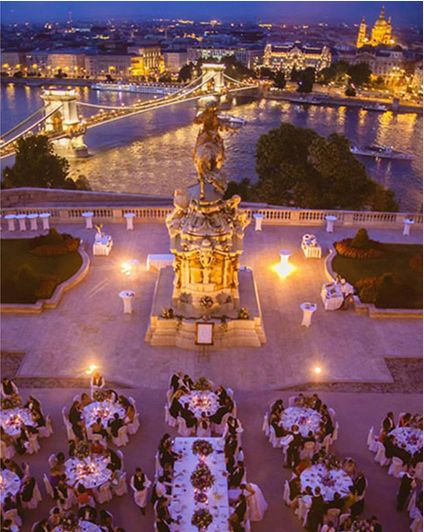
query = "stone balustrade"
x=272 y=215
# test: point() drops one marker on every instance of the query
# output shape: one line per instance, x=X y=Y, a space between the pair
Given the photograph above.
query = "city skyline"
x=402 y=13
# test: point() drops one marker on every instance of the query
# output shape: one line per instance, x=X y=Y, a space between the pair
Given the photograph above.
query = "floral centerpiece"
x=69 y=522
x=203 y=384
x=11 y=402
x=202 y=518
x=202 y=447
x=82 y=450
x=206 y=302
x=202 y=478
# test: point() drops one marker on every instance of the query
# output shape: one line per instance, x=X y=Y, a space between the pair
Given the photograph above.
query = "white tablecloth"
x=310 y=247
x=102 y=245
x=183 y=505
x=85 y=526
x=305 y=418
x=104 y=410
x=10 y=484
x=200 y=402
x=329 y=481
x=409 y=436
x=332 y=296
x=77 y=473
x=159 y=261
x=11 y=419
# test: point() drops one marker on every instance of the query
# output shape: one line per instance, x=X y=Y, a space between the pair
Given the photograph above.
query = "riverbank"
x=317 y=98
x=40 y=82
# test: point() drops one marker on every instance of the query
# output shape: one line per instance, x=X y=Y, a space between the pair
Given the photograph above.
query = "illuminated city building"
x=296 y=56
x=147 y=60
x=381 y=33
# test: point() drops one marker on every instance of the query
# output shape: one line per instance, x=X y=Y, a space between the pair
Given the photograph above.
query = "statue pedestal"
x=180 y=331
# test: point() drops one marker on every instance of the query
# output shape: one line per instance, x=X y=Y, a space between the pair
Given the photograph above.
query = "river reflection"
x=152 y=153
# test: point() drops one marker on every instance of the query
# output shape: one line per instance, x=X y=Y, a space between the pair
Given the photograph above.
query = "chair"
x=412 y=505
x=69 y=432
x=332 y=413
x=303 y=509
x=417 y=524
x=94 y=436
x=380 y=455
x=103 y=493
x=396 y=468
x=326 y=442
x=335 y=434
x=202 y=432
x=286 y=493
x=265 y=425
x=121 y=487
x=219 y=429
x=343 y=518
x=133 y=427
x=121 y=457
x=332 y=515
x=183 y=430
x=308 y=450
x=52 y=460
x=170 y=420
x=122 y=438
x=47 y=430
x=292 y=400
x=274 y=440
x=35 y=500
x=158 y=467
x=32 y=445
x=419 y=471
x=230 y=392
x=48 y=486
x=371 y=441
x=6 y=451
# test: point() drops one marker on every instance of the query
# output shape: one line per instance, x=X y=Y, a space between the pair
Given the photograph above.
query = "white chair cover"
x=6 y=451
x=417 y=524
x=202 y=432
x=170 y=420
x=135 y=425
x=32 y=445
x=396 y=468
x=69 y=432
x=122 y=438
x=308 y=450
x=286 y=493
x=103 y=493
x=380 y=456
x=371 y=441
x=121 y=488
x=265 y=425
x=48 y=486
x=419 y=471
x=183 y=430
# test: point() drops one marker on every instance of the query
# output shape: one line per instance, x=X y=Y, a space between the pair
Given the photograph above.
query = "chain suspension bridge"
x=61 y=120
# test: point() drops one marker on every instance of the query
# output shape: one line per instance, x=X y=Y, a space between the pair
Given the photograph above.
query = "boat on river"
x=378 y=107
x=381 y=152
x=145 y=88
x=233 y=121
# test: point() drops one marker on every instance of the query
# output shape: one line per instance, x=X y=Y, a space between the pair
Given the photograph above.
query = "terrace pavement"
x=89 y=326
x=263 y=463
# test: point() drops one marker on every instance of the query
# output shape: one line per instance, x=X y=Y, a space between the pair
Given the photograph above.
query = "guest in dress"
x=97 y=382
x=140 y=484
x=256 y=503
x=388 y=423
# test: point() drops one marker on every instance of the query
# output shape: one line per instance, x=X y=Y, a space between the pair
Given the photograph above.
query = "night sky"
x=403 y=13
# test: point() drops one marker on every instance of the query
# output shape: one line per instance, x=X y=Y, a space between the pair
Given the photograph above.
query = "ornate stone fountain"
x=206 y=234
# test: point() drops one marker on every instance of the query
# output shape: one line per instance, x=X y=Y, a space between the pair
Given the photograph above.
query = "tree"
x=305 y=80
x=335 y=72
x=280 y=80
x=36 y=165
x=359 y=74
x=267 y=73
x=235 y=69
x=298 y=167
x=185 y=73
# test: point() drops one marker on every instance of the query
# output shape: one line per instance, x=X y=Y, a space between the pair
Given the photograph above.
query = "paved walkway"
x=263 y=463
x=88 y=326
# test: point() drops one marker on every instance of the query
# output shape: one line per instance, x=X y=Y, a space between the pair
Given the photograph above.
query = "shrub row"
x=54 y=244
x=345 y=249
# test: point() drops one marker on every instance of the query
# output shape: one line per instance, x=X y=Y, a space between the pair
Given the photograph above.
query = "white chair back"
x=396 y=468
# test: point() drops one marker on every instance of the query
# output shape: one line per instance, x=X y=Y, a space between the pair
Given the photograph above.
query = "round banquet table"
x=91 y=471
x=12 y=419
x=411 y=437
x=201 y=402
x=105 y=410
x=329 y=480
x=305 y=418
x=84 y=526
x=10 y=484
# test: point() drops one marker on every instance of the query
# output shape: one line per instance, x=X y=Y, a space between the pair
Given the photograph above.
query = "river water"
x=152 y=153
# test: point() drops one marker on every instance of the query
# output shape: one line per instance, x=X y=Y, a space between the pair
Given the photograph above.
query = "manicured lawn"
x=395 y=261
x=15 y=254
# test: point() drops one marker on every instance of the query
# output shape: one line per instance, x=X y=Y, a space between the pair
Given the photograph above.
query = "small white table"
x=129 y=216
x=308 y=310
x=310 y=247
x=22 y=221
x=102 y=244
x=258 y=217
x=284 y=258
x=159 y=261
x=330 y=219
x=88 y=219
x=127 y=297
x=10 y=221
x=407 y=222
x=33 y=221
x=44 y=217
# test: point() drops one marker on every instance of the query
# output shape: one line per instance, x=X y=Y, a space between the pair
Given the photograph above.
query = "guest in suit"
x=388 y=423
x=407 y=484
x=115 y=424
x=236 y=476
x=294 y=446
x=316 y=511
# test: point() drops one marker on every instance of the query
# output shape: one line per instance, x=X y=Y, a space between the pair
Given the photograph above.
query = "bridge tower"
x=65 y=122
x=215 y=73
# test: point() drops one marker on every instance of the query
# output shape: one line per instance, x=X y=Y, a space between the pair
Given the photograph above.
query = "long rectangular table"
x=183 y=505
